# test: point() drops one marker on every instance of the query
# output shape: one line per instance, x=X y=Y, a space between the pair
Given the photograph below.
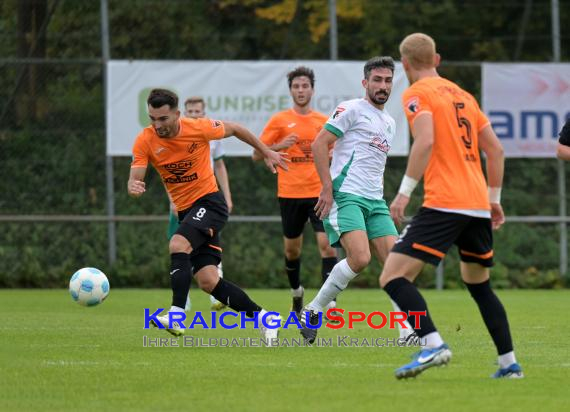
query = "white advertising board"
x=527 y=105
x=242 y=91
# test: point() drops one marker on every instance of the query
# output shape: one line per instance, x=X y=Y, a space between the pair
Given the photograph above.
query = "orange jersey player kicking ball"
x=178 y=148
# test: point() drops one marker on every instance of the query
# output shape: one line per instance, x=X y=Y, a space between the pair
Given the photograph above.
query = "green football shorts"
x=172 y=224
x=350 y=212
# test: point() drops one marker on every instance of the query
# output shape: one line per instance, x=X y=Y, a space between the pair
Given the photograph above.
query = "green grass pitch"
x=56 y=355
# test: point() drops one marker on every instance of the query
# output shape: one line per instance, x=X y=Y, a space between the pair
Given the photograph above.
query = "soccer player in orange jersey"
x=293 y=131
x=195 y=108
x=459 y=206
x=178 y=148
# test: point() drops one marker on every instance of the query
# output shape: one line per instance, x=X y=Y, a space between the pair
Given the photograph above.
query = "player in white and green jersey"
x=364 y=135
x=351 y=201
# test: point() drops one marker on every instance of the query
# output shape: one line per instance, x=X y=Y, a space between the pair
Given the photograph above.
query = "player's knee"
x=292 y=252
x=206 y=271
x=388 y=275
x=179 y=244
x=480 y=291
x=359 y=261
x=384 y=279
x=208 y=283
x=327 y=251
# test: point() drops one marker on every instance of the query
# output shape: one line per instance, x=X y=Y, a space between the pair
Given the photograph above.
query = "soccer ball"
x=89 y=286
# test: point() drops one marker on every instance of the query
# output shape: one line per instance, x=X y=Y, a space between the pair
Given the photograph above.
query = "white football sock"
x=404 y=333
x=432 y=340
x=338 y=280
x=176 y=309
x=507 y=360
x=297 y=293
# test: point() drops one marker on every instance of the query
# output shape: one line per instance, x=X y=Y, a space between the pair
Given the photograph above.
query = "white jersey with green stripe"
x=364 y=137
x=217 y=151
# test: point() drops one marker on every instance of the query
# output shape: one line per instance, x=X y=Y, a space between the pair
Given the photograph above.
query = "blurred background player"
x=195 y=108
x=563 y=149
x=448 y=128
x=179 y=150
x=351 y=200
x=293 y=131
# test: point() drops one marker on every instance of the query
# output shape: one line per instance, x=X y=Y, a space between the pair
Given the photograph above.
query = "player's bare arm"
x=285 y=143
x=490 y=145
x=563 y=152
x=222 y=175
x=563 y=148
x=136 y=185
x=420 y=153
x=321 y=148
x=271 y=158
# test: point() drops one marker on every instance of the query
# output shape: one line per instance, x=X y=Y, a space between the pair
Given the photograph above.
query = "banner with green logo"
x=246 y=92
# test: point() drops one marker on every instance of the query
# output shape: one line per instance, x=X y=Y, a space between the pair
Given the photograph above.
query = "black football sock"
x=327 y=266
x=293 y=269
x=493 y=314
x=409 y=298
x=180 y=278
x=234 y=297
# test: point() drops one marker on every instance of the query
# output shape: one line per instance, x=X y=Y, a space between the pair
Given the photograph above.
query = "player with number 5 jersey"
x=453 y=178
x=460 y=208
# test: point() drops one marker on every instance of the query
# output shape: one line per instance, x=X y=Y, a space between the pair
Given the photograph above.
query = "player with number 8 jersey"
x=179 y=149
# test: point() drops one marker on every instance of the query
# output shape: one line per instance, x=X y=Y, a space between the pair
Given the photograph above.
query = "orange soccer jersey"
x=183 y=161
x=453 y=178
x=301 y=180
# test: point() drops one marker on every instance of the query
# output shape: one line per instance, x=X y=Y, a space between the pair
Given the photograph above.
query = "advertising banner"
x=527 y=105
x=244 y=91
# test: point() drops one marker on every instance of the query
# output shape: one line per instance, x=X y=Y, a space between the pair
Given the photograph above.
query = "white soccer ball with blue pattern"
x=89 y=286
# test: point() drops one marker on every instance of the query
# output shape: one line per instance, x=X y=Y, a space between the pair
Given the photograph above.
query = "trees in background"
x=52 y=122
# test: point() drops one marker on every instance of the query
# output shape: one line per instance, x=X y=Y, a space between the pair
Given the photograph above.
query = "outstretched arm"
x=272 y=159
x=286 y=143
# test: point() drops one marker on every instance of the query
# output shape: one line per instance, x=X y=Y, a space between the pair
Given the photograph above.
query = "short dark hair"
x=301 y=71
x=385 y=62
x=160 y=97
x=194 y=100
